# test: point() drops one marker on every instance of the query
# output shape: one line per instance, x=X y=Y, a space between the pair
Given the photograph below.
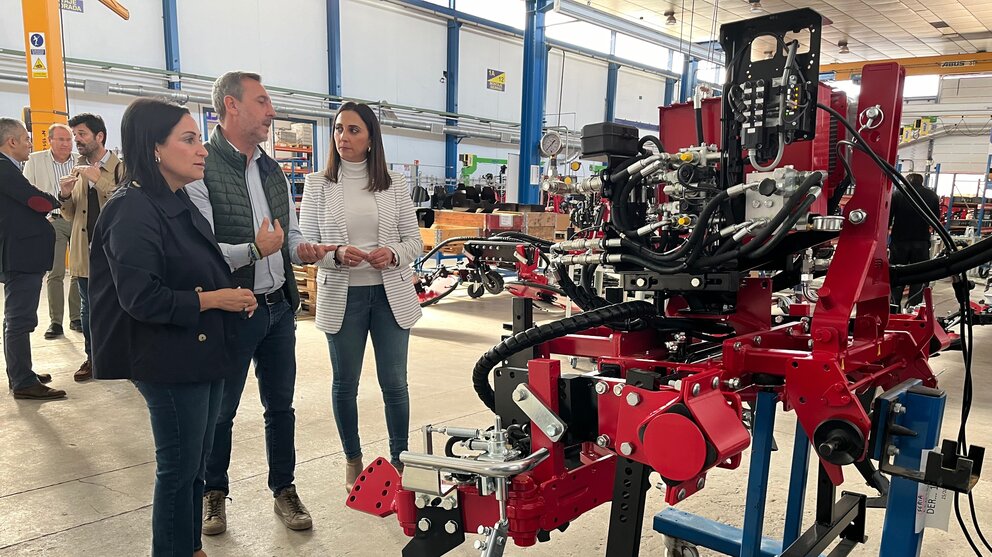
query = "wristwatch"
x=254 y=254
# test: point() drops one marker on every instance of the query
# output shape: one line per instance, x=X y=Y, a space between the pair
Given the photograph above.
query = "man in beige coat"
x=45 y=169
x=97 y=173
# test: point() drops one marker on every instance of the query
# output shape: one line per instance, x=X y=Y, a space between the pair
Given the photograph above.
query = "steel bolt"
x=448 y=504
x=519 y=395
x=451 y=526
x=626 y=449
x=716 y=383
x=696 y=389
x=733 y=384
x=681 y=494
x=757 y=341
x=756 y=203
x=700 y=483
x=892 y=450
x=779 y=319
x=738 y=346
x=769 y=203
x=898 y=408
x=695 y=282
x=857 y=216
x=633 y=399
x=421 y=501
x=479 y=545
x=603 y=440
x=640 y=282
x=810 y=343
x=424 y=525
x=552 y=430
x=873 y=112
x=484 y=530
x=618 y=389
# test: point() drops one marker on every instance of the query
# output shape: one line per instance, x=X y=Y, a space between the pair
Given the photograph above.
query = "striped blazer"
x=322 y=221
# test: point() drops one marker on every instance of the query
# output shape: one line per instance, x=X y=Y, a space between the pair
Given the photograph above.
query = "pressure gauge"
x=551 y=144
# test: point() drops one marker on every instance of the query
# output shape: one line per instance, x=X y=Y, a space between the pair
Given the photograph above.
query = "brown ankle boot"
x=352 y=469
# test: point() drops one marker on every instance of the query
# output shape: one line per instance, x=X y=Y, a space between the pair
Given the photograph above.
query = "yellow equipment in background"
x=46 y=71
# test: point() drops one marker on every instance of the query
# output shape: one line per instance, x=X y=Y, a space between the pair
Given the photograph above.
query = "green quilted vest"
x=233 y=222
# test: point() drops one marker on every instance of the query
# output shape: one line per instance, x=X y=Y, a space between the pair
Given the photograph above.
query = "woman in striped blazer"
x=364 y=286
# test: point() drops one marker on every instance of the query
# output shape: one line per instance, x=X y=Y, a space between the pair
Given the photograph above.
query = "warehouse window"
x=507 y=12
x=583 y=34
x=921 y=87
x=643 y=52
x=709 y=72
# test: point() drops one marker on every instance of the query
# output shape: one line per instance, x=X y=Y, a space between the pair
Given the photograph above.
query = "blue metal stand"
x=923 y=413
x=451 y=99
x=797 y=488
x=334 y=48
x=747 y=541
x=170 y=21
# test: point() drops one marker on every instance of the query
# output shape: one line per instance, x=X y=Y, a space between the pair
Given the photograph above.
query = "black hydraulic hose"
x=524 y=236
x=943 y=267
x=834 y=202
x=724 y=253
x=581 y=299
x=699 y=125
x=547 y=332
x=653 y=139
x=789 y=224
x=620 y=174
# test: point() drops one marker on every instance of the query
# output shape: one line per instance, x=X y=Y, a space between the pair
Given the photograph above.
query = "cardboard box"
x=562 y=221
x=543 y=232
x=538 y=220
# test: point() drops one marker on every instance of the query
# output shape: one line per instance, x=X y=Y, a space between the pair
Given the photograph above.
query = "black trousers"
x=904 y=253
x=22 y=292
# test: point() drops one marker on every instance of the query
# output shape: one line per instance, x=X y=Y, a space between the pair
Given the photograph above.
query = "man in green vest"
x=245 y=196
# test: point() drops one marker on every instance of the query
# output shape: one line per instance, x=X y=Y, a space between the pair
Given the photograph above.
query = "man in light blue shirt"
x=246 y=197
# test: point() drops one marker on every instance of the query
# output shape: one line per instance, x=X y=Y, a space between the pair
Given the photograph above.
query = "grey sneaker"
x=214 y=513
x=291 y=510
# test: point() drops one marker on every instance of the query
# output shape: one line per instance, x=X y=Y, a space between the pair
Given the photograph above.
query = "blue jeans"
x=83 y=283
x=368 y=312
x=268 y=338
x=183 y=417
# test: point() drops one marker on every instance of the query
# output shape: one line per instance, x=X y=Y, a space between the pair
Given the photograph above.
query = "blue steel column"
x=532 y=98
x=171 y=33
x=612 y=73
x=334 y=48
x=757 y=479
x=688 y=79
x=669 y=90
x=451 y=100
x=797 y=488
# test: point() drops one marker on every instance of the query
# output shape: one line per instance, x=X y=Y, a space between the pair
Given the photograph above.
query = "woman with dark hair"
x=364 y=287
x=163 y=309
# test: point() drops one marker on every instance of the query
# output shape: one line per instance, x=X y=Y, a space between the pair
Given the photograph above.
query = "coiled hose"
x=550 y=331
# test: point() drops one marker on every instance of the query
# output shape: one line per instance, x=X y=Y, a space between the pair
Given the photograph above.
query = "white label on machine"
x=39 y=56
x=933 y=504
x=506 y=221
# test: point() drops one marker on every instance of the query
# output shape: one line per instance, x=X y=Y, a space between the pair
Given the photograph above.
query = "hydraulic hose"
x=943 y=267
x=784 y=231
x=699 y=126
x=550 y=331
x=653 y=139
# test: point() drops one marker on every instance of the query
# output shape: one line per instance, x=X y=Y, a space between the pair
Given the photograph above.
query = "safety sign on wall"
x=72 y=5
x=496 y=80
x=39 y=56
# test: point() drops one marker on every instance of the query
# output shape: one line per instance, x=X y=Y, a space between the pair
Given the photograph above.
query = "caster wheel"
x=493 y=282
x=476 y=290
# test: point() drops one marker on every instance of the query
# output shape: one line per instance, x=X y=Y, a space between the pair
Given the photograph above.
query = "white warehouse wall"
x=959 y=154
x=388 y=53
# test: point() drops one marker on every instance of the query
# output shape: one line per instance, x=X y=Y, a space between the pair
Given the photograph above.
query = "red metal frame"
x=694 y=423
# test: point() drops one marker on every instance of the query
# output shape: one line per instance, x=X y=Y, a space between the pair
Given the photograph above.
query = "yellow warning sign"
x=38 y=68
x=496 y=80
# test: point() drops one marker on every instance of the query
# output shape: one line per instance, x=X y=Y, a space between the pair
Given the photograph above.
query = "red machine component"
x=692 y=421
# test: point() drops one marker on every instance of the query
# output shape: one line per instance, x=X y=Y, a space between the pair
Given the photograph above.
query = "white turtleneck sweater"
x=361 y=215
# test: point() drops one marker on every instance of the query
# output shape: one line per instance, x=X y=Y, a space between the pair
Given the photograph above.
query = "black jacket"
x=27 y=239
x=907 y=224
x=151 y=253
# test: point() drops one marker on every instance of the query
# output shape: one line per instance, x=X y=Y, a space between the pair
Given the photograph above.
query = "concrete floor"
x=76 y=476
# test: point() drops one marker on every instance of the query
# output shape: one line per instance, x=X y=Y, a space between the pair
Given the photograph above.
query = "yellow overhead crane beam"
x=46 y=71
x=953 y=64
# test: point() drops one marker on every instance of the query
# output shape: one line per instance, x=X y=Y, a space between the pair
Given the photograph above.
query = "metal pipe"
x=469 y=466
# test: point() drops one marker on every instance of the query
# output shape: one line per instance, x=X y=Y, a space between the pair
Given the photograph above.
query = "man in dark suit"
x=27 y=246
